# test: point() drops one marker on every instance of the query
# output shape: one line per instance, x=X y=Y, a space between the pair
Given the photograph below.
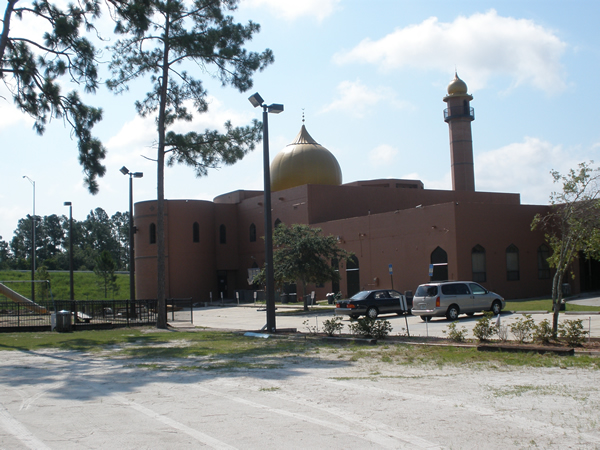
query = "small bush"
x=333 y=326
x=484 y=329
x=367 y=327
x=503 y=333
x=572 y=331
x=542 y=332
x=454 y=334
x=523 y=328
x=312 y=329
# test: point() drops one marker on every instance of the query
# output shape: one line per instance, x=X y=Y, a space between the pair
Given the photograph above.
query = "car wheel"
x=425 y=318
x=354 y=316
x=496 y=307
x=452 y=313
x=372 y=313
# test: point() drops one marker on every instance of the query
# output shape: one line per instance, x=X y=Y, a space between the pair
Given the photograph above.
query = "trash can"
x=330 y=298
x=285 y=298
x=63 y=321
x=566 y=289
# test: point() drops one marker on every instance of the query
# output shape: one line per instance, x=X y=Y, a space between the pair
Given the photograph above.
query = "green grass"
x=218 y=350
x=87 y=285
x=544 y=305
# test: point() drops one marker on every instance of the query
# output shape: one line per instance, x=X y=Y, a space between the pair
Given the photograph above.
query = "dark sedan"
x=373 y=303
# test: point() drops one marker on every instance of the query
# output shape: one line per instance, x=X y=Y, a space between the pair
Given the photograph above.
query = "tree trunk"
x=161 y=319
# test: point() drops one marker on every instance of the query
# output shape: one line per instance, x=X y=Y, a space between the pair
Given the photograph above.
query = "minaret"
x=459 y=116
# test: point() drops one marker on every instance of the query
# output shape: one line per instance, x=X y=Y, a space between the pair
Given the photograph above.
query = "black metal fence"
x=88 y=314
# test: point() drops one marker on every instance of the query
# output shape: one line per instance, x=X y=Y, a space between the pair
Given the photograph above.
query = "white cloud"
x=355 y=98
x=294 y=9
x=523 y=167
x=382 y=155
x=479 y=46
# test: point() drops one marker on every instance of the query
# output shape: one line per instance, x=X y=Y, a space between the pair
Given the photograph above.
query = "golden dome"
x=457 y=86
x=304 y=161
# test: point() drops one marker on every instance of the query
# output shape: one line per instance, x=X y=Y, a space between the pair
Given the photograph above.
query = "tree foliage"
x=33 y=67
x=572 y=225
x=302 y=253
x=105 y=270
x=168 y=37
x=91 y=236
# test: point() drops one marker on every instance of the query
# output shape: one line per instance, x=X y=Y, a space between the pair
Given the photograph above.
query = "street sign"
x=430 y=270
x=390 y=268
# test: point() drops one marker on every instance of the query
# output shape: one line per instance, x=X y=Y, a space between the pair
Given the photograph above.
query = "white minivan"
x=452 y=298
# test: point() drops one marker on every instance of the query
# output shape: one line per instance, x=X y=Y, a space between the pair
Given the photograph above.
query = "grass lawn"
x=544 y=305
x=170 y=350
x=87 y=285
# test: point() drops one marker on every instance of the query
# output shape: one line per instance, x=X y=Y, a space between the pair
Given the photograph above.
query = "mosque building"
x=401 y=234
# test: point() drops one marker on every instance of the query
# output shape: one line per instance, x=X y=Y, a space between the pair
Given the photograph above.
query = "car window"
x=382 y=294
x=476 y=289
x=426 y=291
x=449 y=289
x=462 y=289
x=394 y=294
x=360 y=295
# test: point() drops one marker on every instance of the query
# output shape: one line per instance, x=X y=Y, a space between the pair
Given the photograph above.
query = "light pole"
x=72 y=293
x=32 y=242
x=275 y=108
x=125 y=171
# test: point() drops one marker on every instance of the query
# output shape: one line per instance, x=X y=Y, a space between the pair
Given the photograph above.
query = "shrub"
x=503 y=333
x=484 y=329
x=454 y=334
x=367 y=327
x=523 y=328
x=572 y=331
x=312 y=329
x=542 y=332
x=333 y=325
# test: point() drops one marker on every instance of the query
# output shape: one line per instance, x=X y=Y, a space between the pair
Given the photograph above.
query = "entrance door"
x=352 y=276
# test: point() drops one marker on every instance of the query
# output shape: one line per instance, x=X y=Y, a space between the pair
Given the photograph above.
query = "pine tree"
x=198 y=34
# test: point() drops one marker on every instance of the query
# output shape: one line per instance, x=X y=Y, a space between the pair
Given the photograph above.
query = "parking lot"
x=253 y=318
x=327 y=397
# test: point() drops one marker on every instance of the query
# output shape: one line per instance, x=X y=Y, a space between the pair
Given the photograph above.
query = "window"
x=512 y=263
x=478 y=264
x=252 y=233
x=153 y=233
x=439 y=259
x=196 y=232
x=222 y=234
x=543 y=254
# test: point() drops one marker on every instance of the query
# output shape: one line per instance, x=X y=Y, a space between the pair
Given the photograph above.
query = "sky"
x=369 y=79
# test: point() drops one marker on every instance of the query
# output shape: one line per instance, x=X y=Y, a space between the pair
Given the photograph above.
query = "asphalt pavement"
x=253 y=318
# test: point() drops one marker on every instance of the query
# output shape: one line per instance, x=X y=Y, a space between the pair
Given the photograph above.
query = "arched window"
x=222 y=234
x=196 y=232
x=153 y=233
x=543 y=254
x=478 y=264
x=252 y=233
x=512 y=263
x=439 y=259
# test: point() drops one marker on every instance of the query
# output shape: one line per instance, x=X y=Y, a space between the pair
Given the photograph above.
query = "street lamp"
x=32 y=242
x=125 y=171
x=275 y=108
x=72 y=294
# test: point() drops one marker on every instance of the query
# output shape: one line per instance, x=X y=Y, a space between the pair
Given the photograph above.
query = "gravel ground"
x=330 y=399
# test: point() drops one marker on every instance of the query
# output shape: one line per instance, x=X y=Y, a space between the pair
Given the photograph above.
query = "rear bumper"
x=347 y=311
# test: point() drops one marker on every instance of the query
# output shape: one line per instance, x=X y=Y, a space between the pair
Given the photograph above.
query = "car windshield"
x=426 y=291
x=360 y=295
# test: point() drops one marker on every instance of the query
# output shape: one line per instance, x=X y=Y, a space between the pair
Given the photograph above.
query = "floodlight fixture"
x=256 y=100
x=124 y=170
x=275 y=108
